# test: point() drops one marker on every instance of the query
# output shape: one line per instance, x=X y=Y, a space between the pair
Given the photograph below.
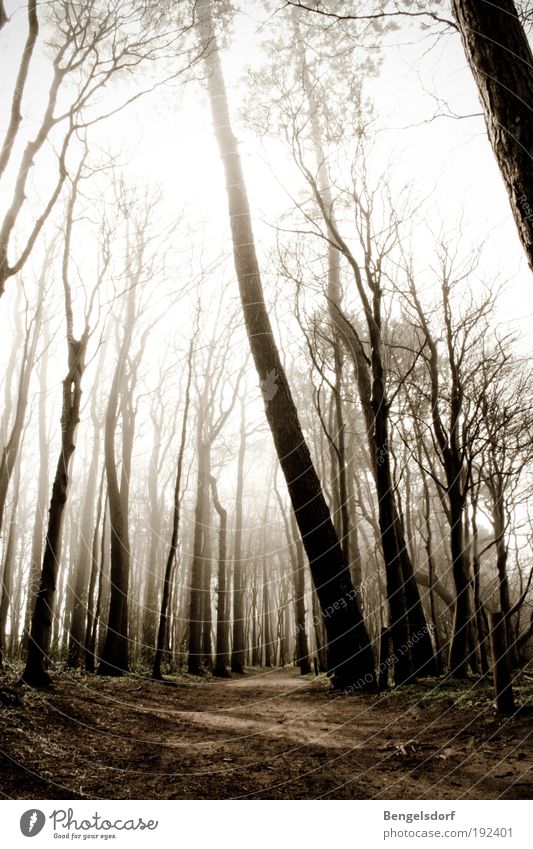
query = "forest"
x=266 y=441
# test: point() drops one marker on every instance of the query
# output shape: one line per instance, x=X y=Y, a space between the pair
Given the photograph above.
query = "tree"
x=238 y=647
x=209 y=424
x=222 y=656
x=350 y=654
x=176 y=513
x=455 y=423
x=81 y=576
x=35 y=673
x=500 y=58
x=139 y=269
x=11 y=448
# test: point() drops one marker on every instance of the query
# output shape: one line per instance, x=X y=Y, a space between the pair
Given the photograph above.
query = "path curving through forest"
x=268 y=734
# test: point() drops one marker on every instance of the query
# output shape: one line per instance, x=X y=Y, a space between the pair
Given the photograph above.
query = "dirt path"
x=270 y=734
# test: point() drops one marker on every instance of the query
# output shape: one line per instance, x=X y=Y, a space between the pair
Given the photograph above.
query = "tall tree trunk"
x=6 y=587
x=302 y=647
x=196 y=606
x=350 y=657
x=12 y=446
x=42 y=494
x=222 y=633
x=406 y=612
x=431 y=573
x=207 y=613
x=237 y=654
x=150 y=600
x=82 y=571
x=478 y=603
x=93 y=622
x=35 y=673
x=500 y=58
x=94 y=575
x=171 y=557
x=41 y=624
x=459 y=652
x=267 y=620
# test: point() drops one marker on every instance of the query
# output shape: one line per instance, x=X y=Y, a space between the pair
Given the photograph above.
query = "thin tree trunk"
x=350 y=654
x=94 y=575
x=6 y=587
x=171 y=558
x=114 y=660
x=95 y=623
x=34 y=673
x=150 y=601
x=196 y=607
x=478 y=604
x=42 y=494
x=431 y=574
x=237 y=654
x=222 y=634
x=82 y=573
x=267 y=622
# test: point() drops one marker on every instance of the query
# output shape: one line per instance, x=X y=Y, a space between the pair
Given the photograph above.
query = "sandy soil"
x=270 y=734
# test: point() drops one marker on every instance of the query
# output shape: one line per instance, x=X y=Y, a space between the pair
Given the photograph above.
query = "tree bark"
x=500 y=58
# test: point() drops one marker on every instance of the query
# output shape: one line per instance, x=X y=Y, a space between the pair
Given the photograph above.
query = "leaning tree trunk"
x=171 y=558
x=41 y=624
x=501 y=60
x=350 y=656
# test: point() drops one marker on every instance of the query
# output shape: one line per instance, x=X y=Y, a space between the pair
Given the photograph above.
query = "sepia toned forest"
x=267 y=399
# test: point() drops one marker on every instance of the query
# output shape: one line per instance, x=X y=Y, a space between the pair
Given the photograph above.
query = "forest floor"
x=269 y=734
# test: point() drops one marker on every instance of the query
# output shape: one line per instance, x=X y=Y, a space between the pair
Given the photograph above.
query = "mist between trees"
x=231 y=438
